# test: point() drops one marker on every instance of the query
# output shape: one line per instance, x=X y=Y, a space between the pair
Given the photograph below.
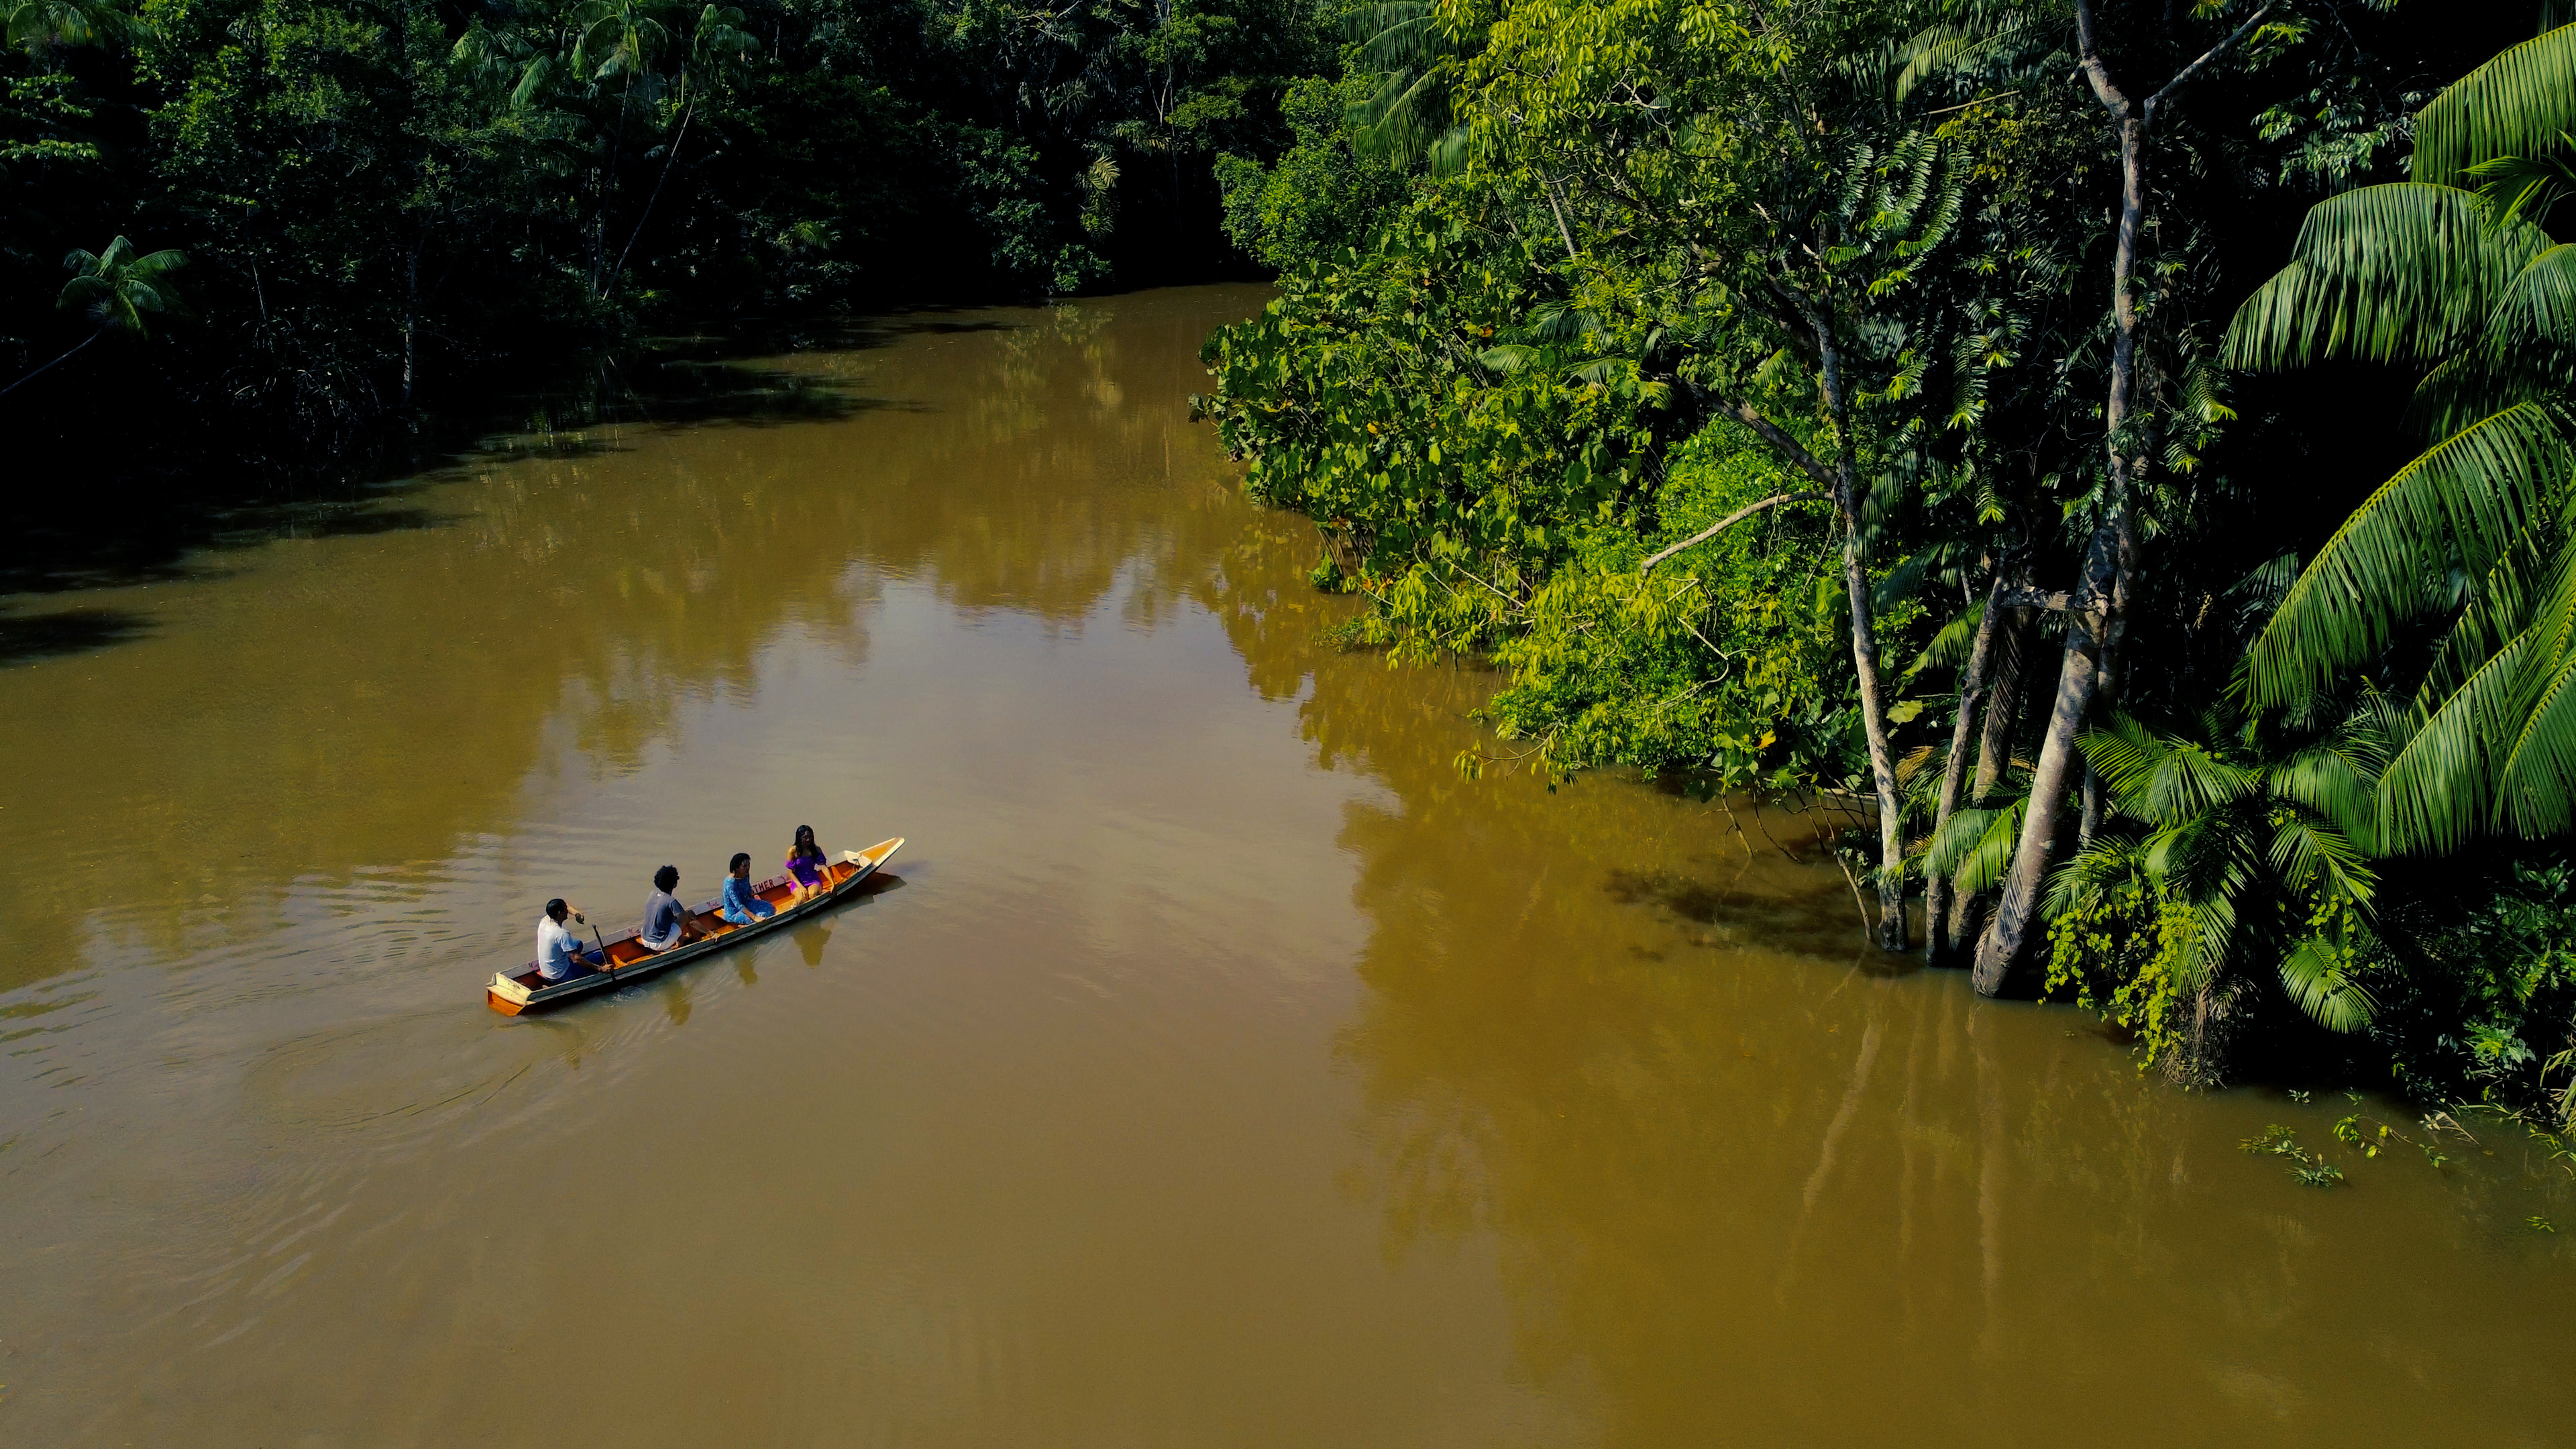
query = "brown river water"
x=1224 y=1069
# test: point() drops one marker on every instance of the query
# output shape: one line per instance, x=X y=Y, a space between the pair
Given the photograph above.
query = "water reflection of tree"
x=1744 y=1180
x=1068 y=462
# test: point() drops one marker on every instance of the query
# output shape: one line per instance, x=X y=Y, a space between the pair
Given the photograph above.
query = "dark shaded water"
x=1225 y=1070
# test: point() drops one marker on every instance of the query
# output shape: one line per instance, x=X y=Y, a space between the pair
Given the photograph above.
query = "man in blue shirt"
x=742 y=904
x=559 y=953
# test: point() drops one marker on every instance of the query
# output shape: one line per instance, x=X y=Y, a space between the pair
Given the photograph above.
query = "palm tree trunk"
x=2003 y=705
x=668 y=157
x=50 y=366
x=2094 y=612
x=607 y=187
x=2010 y=666
x=1937 y=890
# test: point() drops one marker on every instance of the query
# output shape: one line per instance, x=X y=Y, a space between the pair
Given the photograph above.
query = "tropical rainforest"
x=300 y=230
x=2119 y=454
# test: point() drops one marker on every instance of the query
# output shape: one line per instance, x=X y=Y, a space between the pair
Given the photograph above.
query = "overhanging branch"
x=2184 y=75
x=1738 y=516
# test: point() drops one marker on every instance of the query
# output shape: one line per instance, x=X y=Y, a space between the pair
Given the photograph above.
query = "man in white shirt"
x=559 y=953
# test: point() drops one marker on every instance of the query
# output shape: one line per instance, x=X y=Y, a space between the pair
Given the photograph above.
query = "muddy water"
x=1223 y=1071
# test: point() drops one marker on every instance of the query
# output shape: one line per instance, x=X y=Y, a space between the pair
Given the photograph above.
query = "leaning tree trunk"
x=2094 y=610
x=50 y=366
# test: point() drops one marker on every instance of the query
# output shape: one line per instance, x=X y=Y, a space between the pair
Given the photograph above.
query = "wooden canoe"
x=525 y=990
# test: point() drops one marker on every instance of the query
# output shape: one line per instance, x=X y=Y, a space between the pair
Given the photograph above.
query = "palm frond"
x=1600 y=371
x=1976 y=847
x=2312 y=857
x=2163 y=779
x=2515 y=104
x=2338 y=780
x=532 y=81
x=2203 y=948
x=2535 y=790
x=2435 y=792
x=1944 y=51
x=2314 y=974
x=2393 y=273
x=1405 y=117
x=1558 y=320
x=1950 y=647
x=68 y=23
x=2103 y=866
x=2514 y=186
x=2207 y=860
x=2535 y=312
x=2463 y=503
x=1396 y=34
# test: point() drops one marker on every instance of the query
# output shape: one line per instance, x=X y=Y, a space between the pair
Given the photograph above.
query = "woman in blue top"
x=742 y=904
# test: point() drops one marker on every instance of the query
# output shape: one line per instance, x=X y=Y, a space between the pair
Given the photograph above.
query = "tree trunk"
x=2003 y=704
x=50 y=366
x=1937 y=889
x=411 y=323
x=686 y=113
x=2094 y=613
x=2080 y=670
x=2106 y=684
x=1873 y=707
x=607 y=186
x=2010 y=667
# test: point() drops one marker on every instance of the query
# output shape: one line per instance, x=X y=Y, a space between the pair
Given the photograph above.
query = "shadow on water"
x=676 y=383
x=44 y=636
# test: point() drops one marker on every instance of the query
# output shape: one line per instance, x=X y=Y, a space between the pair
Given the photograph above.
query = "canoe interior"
x=625 y=948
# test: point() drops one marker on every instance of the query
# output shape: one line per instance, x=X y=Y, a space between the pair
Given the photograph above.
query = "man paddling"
x=559 y=953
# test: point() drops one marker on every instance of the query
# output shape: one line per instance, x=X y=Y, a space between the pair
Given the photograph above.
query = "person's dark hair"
x=805 y=848
x=741 y=858
x=665 y=878
x=556 y=908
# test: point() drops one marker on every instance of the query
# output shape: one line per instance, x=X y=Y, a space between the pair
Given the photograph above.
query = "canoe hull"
x=517 y=994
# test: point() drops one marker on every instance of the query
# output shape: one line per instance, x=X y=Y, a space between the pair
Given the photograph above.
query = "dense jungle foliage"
x=299 y=226
x=2124 y=449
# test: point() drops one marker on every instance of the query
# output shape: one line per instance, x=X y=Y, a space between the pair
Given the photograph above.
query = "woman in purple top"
x=809 y=877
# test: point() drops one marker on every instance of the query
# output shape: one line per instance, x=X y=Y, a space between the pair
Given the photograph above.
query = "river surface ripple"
x=1225 y=1070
